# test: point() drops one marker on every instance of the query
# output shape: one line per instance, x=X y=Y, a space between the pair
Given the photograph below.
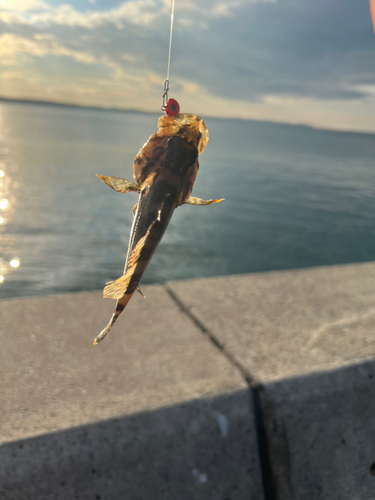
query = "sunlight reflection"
x=9 y=256
x=3 y=204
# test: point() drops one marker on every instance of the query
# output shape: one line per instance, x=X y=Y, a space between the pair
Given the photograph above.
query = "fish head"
x=186 y=125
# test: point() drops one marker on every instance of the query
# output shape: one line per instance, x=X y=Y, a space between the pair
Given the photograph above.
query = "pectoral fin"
x=118 y=184
x=198 y=201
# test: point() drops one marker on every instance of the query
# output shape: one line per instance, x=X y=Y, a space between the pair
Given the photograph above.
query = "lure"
x=164 y=172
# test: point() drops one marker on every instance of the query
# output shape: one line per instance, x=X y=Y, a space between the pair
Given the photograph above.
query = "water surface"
x=295 y=197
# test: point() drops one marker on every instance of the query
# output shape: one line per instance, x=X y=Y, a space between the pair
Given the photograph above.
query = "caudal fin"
x=120 y=306
x=105 y=330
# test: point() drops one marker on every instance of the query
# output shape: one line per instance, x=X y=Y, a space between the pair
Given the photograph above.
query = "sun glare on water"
x=3 y=204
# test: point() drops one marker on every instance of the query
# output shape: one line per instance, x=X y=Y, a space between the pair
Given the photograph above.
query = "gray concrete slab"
x=288 y=323
x=321 y=434
x=154 y=411
x=307 y=340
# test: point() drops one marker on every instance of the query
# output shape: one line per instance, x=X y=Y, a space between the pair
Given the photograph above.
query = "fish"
x=165 y=170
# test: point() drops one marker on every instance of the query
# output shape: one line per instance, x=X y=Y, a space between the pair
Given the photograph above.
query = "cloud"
x=41 y=45
x=229 y=9
x=239 y=55
x=313 y=48
x=138 y=12
x=22 y=5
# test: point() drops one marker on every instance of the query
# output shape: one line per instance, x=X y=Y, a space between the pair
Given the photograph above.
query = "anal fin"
x=117 y=289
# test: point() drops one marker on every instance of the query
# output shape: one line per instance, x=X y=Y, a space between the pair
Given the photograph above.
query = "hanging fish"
x=164 y=171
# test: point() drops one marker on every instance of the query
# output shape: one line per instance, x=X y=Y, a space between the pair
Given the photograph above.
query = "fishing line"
x=170 y=41
x=170 y=106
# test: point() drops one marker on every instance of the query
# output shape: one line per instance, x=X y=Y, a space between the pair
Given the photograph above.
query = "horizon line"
x=16 y=100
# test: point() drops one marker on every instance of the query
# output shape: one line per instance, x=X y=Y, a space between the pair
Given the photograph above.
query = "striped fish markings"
x=164 y=172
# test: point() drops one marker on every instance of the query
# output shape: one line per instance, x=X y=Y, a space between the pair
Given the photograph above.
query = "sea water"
x=294 y=197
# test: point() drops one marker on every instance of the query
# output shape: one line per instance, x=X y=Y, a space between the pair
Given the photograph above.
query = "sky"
x=297 y=61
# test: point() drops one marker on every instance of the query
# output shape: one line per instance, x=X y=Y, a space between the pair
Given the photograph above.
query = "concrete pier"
x=256 y=387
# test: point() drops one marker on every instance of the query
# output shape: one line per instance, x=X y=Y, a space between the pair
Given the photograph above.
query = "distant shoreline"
x=74 y=106
x=124 y=110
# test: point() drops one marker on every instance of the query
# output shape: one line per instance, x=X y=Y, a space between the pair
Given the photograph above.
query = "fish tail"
x=120 y=306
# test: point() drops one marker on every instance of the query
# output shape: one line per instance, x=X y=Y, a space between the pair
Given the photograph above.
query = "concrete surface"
x=288 y=323
x=257 y=387
x=321 y=434
x=305 y=339
x=154 y=411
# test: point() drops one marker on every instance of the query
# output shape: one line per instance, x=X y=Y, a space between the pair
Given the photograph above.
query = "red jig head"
x=172 y=108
